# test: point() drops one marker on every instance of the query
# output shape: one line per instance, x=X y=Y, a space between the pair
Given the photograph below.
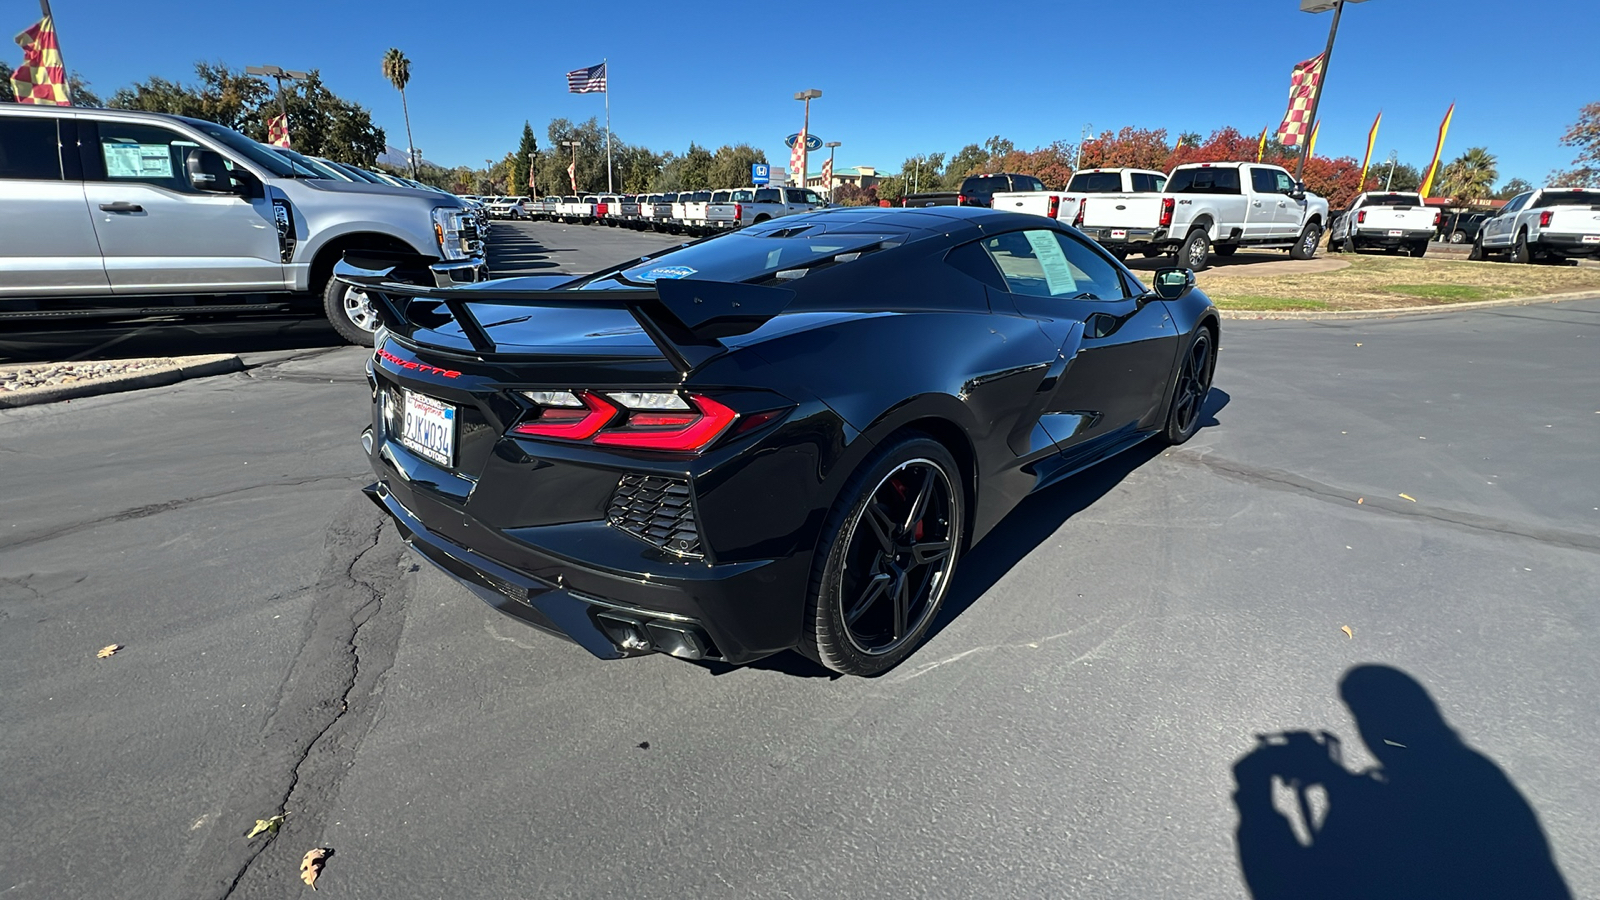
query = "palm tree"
x=1471 y=176
x=397 y=69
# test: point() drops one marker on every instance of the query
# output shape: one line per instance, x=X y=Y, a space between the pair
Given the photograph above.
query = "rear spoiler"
x=685 y=318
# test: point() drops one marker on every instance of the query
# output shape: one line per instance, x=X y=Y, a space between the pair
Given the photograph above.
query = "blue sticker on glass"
x=660 y=272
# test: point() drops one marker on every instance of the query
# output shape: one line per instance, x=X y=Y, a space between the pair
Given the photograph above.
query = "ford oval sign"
x=812 y=141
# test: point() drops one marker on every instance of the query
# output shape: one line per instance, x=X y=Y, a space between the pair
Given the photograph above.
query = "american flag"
x=42 y=77
x=1304 y=82
x=587 y=81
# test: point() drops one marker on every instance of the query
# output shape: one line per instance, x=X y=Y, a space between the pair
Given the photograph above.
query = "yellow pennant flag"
x=1372 y=138
x=1261 y=145
x=1311 y=145
x=1433 y=167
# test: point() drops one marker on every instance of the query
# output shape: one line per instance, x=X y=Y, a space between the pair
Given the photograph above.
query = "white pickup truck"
x=775 y=203
x=575 y=210
x=1391 y=220
x=1064 y=205
x=1222 y=205
x=1550 y=224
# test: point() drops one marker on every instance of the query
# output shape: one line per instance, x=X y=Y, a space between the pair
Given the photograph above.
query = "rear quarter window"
x=29 y=149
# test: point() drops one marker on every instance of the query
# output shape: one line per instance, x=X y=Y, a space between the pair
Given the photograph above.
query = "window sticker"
x=660 y=272
x=1057 y=274
x=137 y=160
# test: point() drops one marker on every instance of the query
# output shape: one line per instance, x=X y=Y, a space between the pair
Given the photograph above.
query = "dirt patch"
x=1380 y=282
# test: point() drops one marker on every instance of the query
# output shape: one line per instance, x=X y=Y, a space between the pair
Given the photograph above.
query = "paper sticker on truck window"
x=137 y=160
x=1057 y=274
x=660 y=272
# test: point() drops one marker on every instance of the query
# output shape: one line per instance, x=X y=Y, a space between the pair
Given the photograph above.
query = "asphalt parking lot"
x=1109 y=653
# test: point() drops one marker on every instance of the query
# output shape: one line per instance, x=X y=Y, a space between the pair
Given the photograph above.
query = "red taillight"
x=600 y=209
x=961 y=199
x=1361 y=216
x=738 y=212
x=1437 y=217
x=1166 y=211
x=568 y=423
x=1077 y=220
x=1055 y=206
x=671 y=430
x=1544 y=218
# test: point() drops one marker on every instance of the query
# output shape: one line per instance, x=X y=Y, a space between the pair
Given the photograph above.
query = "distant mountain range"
x=396 y=156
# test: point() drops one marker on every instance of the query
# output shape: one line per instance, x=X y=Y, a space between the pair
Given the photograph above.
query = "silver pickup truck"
x=112 y=212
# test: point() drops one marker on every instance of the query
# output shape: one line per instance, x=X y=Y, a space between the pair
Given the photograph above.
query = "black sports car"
x=780 y=438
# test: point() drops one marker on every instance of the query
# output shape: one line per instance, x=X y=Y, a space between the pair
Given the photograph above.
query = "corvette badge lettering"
x=418 y=367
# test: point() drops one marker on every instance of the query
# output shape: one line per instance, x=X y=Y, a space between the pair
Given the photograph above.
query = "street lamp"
x=807 y=95
x=572 y=173
x=1319 y=6
x=279 y=74
x=831 y=145
x=1394 y=157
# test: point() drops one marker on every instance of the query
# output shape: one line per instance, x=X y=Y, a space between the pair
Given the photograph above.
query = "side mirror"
x=1299 y=192
x=1173 y=283
x=208 y=172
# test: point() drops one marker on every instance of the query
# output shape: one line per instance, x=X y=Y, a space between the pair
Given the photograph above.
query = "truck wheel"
x=1226 y=249
x=761 y=218
x=1520 y=253
x=1119 y=253
x=1152 y=254
x=1477 y=253
x=1306 y=246
x=1196 y=250
x=1458 y=237
x=1419 y=249
x=350 y=312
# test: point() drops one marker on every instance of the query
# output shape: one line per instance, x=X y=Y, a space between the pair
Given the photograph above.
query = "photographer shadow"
x=1435 y=818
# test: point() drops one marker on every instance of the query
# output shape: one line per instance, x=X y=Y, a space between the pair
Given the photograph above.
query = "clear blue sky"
x=897 y=78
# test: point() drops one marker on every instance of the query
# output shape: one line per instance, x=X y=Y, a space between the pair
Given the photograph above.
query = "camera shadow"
x=1434 y=818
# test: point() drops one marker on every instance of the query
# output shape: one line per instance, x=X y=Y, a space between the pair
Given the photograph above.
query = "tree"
x=969 y=160
x=590 y=171
x=637 y=168
x=397 y=69
x=922 y=173
x=526 y=151
x=1137 y=148
x=854 y=195
x=1189 y=139
x=1470 y=177
x=891 y=188
x=1051 y=165
x=1585 y=135
x=1512 y=188
x=730 y=167
x=695 y=172
x=6 y=94
x=78 y=89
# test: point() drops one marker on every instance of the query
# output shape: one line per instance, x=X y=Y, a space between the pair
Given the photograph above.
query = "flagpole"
x=66 y=79
x=607 y=63
x=1322 y=85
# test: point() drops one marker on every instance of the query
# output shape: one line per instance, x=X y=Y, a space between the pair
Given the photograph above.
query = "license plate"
x=1395 y=232
x=430 y=428
x=1591 y=239
x=1118 y=234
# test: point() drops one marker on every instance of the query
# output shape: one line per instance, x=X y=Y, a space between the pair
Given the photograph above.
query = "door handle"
x=121 y=206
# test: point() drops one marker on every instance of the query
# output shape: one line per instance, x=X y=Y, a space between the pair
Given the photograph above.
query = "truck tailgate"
x=1396 y=218
x=1119 y=211
x=1578 y=220
x=1039 y=203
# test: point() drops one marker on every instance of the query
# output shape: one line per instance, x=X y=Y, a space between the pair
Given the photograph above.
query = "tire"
x=1419 y=249
x=349 y=312
x=1520 y=253
x=1306 y=246
x=1191 y=387
x=1196 y=250
x=1477 y=252
x=1350 y=245
x=761 y=218
x=1225 y=249
x=1458 y=237
x=856 y=620
x=1152 y=254
x=1119 y=253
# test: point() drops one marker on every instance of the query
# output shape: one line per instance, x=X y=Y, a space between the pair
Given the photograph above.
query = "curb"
x=192 y=367
x=1397 y=311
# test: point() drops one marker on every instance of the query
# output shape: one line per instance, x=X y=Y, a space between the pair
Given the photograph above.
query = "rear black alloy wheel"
x=1193 y=386
x=885 y=562
x=1520 y=253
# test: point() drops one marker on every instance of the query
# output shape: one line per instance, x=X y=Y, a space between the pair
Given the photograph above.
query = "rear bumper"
x=1568 y=244
x=1384 y=235
x=1126 y=235
x=460 y=271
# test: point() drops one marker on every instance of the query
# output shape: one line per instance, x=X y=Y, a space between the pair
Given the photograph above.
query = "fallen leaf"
x=1358 y=343
x=1348 y=632
x=311 y=866
x=644 y=745
x=107 y=651
x=267 y=825
x=1408 y=497
x=1360 y=500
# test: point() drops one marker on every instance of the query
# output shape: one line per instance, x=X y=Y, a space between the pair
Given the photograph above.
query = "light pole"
x=572 y=173
x=1319 y=6
x=831 y=145
x=808 y=95
x=1388 y=183
x=280 y=75
x=1083 y=138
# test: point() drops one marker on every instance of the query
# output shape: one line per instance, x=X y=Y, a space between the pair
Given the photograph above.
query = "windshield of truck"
x=1567 y=198
x=1393 y=200
x=698 y=197
x=721 y=196
x=245 y=147
x=985 y=184
x=1026 y=183
x=1204 y=181
x=1096 y=183
x=741 y=196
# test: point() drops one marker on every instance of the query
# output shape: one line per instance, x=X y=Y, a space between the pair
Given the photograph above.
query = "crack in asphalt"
x=323 y=709
x=1278 y=479
x=152 y=509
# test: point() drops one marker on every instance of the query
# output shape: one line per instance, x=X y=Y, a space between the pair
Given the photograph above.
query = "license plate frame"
x=1591 y=239
x=1119 y=234
x=428 y=427
x=1395 y=232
